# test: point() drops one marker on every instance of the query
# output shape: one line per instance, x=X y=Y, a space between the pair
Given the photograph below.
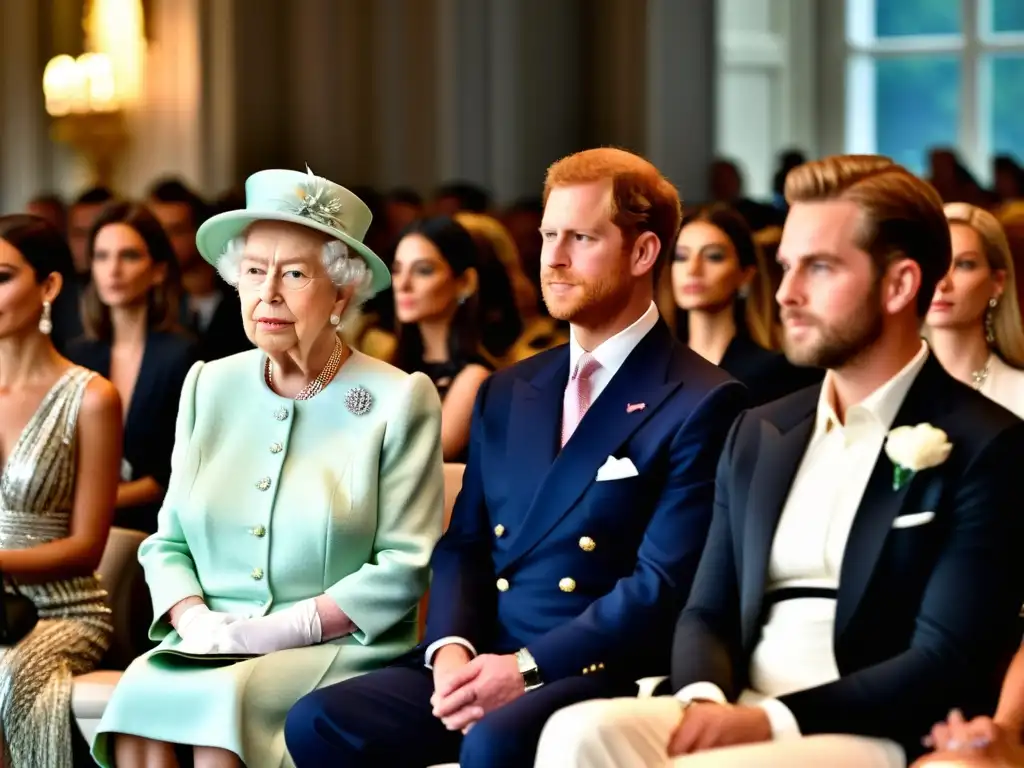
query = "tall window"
x=935 y=73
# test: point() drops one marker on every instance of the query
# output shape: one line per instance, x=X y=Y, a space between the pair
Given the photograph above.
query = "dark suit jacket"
x=926 y=616
x=768 y=375
x=616 y=613
x=149 y=426
x=225 y=335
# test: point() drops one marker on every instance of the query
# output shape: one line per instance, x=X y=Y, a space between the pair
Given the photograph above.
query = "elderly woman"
x=306 y=495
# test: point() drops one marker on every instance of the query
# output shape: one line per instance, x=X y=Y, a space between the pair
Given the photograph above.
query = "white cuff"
x=703 y=691
x=437 y=645
x=782 y=719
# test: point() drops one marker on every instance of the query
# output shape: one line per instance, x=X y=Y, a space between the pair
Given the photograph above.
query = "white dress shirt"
x=610 y=354
x=795 y=651
x=1005 y=385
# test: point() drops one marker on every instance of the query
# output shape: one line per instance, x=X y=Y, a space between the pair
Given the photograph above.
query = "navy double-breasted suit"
x=588 y=575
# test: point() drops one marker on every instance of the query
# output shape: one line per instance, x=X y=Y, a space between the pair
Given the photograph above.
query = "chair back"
x=127 y=595
x=452 y=485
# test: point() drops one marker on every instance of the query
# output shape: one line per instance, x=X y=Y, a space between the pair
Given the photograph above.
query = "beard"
x=836 y=345
x=589 y=303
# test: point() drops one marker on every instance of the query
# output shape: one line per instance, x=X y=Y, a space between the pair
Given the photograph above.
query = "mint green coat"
x=272 y=501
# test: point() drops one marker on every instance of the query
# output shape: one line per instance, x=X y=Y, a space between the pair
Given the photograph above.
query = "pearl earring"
x=335 y=319
x=46 y=320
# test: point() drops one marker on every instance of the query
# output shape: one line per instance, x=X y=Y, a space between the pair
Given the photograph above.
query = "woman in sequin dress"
x=60 y=439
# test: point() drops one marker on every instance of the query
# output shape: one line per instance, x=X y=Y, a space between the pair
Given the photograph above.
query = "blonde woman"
x=974 y=323
x=539 y=332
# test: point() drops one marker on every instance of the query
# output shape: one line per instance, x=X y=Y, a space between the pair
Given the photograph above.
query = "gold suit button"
x=257 y=573
x=587 y=544
x=276 y=447
x=259 y=531
x=263 y=483
x=499 y=530
x=502 y=585
x=567 y=584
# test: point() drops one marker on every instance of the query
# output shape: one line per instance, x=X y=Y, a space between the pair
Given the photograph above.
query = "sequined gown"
x=74 y=629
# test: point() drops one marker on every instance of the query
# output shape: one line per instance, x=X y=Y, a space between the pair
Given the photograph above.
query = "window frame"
x=861 y=49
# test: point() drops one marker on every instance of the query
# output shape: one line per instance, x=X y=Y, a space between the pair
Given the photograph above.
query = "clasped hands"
x=466 y=689
x=204 y=631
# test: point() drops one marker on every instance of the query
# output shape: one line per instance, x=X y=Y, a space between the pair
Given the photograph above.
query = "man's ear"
x=645 y=254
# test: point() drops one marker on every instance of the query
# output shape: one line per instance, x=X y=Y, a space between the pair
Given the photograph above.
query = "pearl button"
x=587 y=544
x=281 y=414
x=502 y=585
x=257 y=573
x=259 y=531
x=263 y=484
x=276 y=447
x=499 y=530
x=567 y=584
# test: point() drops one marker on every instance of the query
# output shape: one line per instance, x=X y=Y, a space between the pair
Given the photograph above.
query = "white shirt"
x=796 y=650
x=611 y=354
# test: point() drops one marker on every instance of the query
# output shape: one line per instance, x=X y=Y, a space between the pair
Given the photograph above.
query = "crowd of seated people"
x=737 y=486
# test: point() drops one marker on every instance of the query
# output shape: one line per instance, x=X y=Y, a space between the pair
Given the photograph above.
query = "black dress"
x=152 y=413
x=768 y=375
x=443 y=374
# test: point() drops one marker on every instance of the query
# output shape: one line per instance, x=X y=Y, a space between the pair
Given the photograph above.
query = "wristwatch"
x=528 y=669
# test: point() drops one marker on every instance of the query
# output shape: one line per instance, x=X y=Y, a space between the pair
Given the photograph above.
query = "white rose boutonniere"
x=912 y=449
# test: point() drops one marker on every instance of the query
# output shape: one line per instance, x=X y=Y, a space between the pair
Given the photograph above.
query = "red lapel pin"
x=633 y=407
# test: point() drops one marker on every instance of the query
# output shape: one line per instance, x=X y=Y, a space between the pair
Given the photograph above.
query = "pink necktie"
x=578 y=400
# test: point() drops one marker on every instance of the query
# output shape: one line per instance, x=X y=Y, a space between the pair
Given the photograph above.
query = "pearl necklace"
x=316 y=386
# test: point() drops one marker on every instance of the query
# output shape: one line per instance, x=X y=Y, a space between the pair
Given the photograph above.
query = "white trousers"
x=634 y=733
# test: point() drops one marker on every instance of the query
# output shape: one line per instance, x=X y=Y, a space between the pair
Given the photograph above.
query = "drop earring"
x=46 y=319
x=990 y=331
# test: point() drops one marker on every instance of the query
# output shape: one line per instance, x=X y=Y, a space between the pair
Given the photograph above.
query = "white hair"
x=343 y=268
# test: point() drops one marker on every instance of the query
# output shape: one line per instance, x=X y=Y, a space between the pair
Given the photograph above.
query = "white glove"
x=295 y=627
x=198 y=627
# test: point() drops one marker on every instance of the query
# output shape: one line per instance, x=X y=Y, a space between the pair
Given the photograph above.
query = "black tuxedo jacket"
x=926 y=616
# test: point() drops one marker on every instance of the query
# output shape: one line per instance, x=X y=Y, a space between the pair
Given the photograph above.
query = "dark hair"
x=405 y=196
x=754 y=315
x=52 y=199
x=500 y=323
x=471 y=197
x=457 y=248
x=94 y=196
x=175 y=191
x=46 y=251
x=164 y=300
x=530 y=204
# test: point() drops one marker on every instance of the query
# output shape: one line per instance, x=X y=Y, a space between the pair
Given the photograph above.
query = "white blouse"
x=1005 y=385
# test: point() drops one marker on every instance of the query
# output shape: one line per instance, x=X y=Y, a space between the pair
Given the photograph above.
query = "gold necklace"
x=978 y=377
x=316 y=386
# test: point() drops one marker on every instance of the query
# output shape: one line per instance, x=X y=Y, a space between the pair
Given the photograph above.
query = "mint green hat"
x=300 y=198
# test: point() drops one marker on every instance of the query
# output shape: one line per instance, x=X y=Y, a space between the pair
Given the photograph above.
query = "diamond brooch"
x=358 y=401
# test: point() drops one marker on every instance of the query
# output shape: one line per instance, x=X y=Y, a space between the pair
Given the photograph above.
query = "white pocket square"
x=909 y=521
x=616 y=469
